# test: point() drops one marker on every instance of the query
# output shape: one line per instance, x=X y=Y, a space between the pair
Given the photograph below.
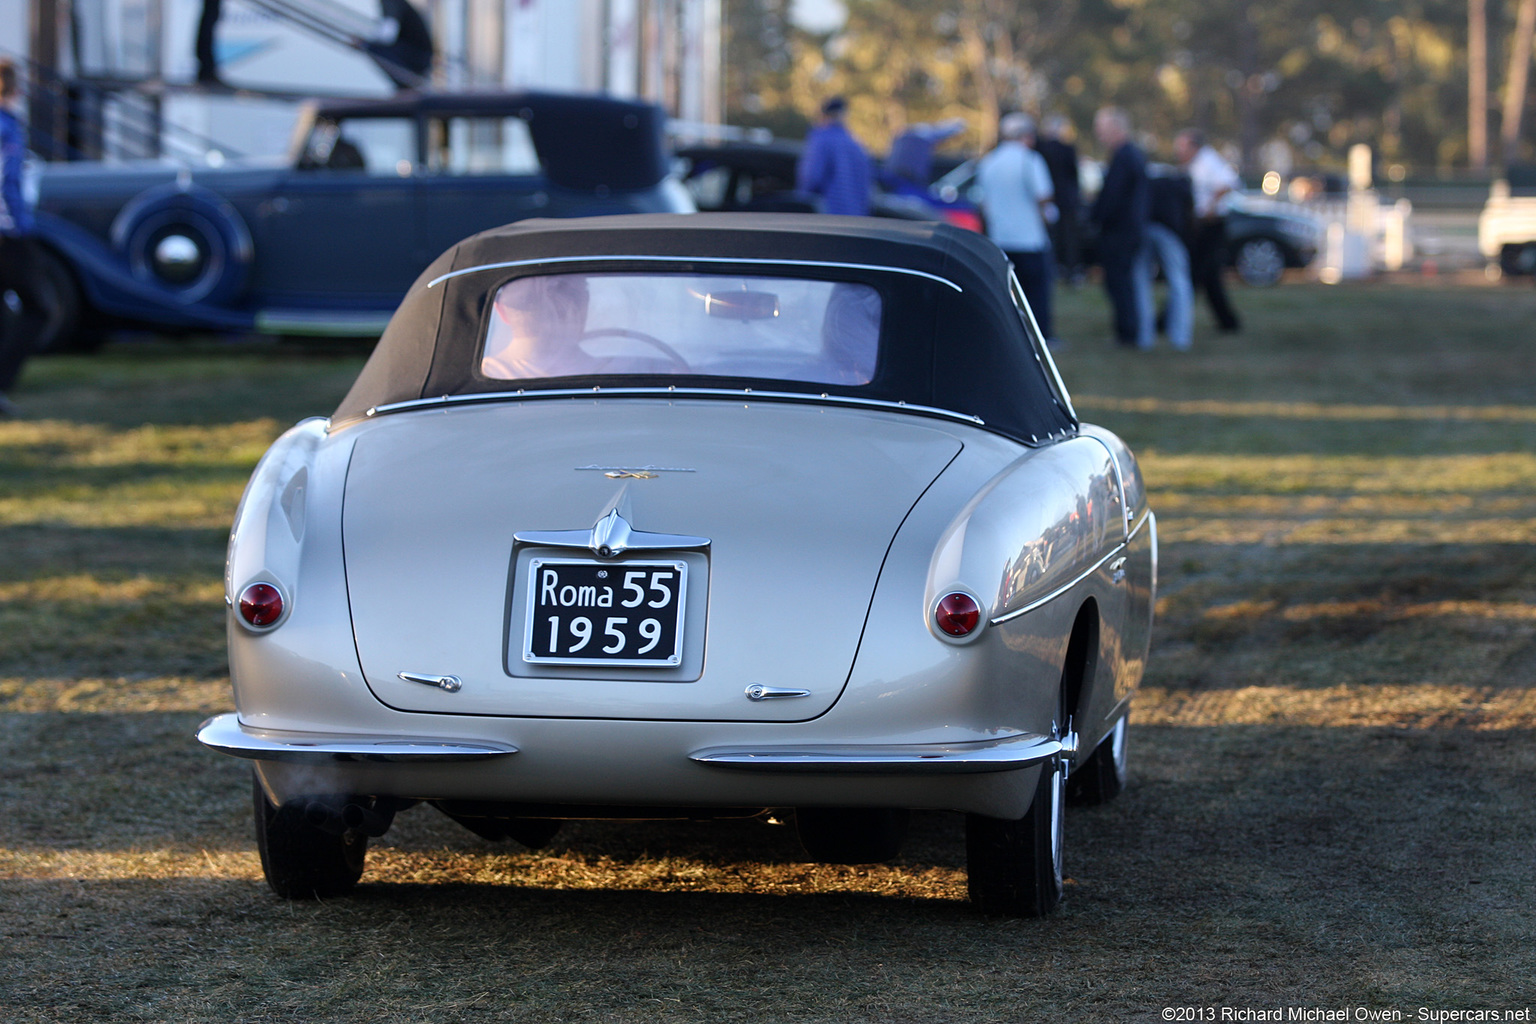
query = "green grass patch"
x=1331 y=756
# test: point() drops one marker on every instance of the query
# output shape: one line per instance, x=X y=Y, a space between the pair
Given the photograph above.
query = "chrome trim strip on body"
x=1146 y=514
x=227 y=735
x=740 y=261
x=1059 y=591
x=737 y=393
x=1009 y=754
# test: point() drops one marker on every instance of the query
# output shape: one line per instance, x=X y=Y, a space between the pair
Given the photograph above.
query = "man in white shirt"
x=1212 y=178
x=1016 y=199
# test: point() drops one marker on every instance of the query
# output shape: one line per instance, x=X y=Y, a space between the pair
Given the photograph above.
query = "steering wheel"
x=677 y=362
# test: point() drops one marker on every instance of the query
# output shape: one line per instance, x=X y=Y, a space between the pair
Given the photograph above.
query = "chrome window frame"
x=713 y=260
x=1037 y=344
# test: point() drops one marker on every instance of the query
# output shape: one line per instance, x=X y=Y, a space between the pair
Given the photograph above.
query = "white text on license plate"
x=604 y=613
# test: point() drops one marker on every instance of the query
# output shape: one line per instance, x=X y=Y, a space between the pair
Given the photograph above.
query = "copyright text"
x=1200 y=1014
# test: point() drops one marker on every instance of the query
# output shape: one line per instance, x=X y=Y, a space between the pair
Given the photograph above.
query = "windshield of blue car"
x=376 y=146
x=790 y=329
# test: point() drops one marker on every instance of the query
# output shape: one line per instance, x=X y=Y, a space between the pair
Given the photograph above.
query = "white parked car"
x=698 y=516
x=1506 y=229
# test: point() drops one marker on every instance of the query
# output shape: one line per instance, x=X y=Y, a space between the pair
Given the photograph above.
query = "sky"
x=818 y=15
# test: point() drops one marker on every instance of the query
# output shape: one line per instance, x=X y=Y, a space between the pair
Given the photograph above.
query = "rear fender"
x=287 y=532
x=1004 y=679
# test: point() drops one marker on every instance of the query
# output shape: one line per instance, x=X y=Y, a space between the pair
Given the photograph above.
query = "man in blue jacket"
x=18 y=265
x=834 y=166
x=1121 y=211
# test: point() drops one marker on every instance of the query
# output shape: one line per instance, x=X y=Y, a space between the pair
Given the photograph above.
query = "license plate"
x=604 y=613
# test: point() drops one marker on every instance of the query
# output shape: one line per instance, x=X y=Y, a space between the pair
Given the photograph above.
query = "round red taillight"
x=261 y=604
x=957 y=614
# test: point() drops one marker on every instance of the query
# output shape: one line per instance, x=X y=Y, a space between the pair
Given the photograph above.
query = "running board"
x=324 y=323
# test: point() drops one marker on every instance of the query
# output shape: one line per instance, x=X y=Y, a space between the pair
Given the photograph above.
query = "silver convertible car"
x=666 y=516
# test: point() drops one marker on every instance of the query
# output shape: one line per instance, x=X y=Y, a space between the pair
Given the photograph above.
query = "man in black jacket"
x=1061 y=157
x=1121 y=212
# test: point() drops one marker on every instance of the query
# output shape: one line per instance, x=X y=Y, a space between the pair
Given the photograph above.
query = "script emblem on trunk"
x=633 y=472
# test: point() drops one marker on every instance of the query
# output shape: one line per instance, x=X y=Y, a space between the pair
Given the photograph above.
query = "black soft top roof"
x=950 y=338
x=583 y=142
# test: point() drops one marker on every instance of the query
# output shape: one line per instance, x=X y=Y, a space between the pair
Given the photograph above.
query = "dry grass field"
x=1333 y=793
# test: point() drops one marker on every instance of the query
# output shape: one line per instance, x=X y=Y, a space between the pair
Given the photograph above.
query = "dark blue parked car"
x=328 y=240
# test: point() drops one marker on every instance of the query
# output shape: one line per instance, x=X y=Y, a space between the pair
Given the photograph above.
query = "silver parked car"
x=711 y=515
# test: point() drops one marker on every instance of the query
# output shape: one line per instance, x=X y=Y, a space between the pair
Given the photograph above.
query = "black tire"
x=1260 y=262
x=1101 y=777
x=1518 y=258
x=299 y=860
x=851 y=835
x=66 y=314
x=1014 y=867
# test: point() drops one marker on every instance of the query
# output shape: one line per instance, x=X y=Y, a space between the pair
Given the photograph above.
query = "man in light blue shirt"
x=1016 y=196
x=834 y=166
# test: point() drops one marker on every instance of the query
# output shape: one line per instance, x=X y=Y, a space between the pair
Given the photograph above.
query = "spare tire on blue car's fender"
x=187 y=240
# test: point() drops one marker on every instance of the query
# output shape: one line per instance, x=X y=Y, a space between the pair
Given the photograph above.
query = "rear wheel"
x=299 y=860
x=1260 y=262
x=1014 y=867
x=1101 y=777
x=851 y=835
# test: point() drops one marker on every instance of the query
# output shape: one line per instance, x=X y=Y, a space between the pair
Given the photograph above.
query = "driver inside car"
x=537 y=330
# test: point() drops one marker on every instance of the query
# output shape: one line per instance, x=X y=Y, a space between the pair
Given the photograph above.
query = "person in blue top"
x=18 y=273
x=834 y=166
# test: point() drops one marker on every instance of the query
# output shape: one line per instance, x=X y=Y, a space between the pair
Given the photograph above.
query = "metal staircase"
x=104 y=118
x=117 y=118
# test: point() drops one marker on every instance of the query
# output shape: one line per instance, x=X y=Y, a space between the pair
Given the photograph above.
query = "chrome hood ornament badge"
x=634 y=472
x=610 y=536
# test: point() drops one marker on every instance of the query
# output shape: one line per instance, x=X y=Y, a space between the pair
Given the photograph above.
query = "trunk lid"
x=799 y=504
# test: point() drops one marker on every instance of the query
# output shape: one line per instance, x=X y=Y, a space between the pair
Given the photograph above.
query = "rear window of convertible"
x=792 y=329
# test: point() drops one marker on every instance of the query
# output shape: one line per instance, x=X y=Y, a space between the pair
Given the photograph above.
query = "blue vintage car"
x=326 y=241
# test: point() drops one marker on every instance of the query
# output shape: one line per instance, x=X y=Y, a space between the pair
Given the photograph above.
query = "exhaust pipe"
x=370 y=821
x=341 y=816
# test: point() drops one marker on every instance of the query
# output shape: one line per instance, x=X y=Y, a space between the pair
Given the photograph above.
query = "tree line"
x=1431 y=85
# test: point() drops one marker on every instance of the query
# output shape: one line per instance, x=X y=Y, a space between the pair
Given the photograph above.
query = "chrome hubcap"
x=1261 y=262
x=177 y=258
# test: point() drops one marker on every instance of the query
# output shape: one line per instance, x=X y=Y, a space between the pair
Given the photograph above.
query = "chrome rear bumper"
x=1008 y=754
x=227 y=735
